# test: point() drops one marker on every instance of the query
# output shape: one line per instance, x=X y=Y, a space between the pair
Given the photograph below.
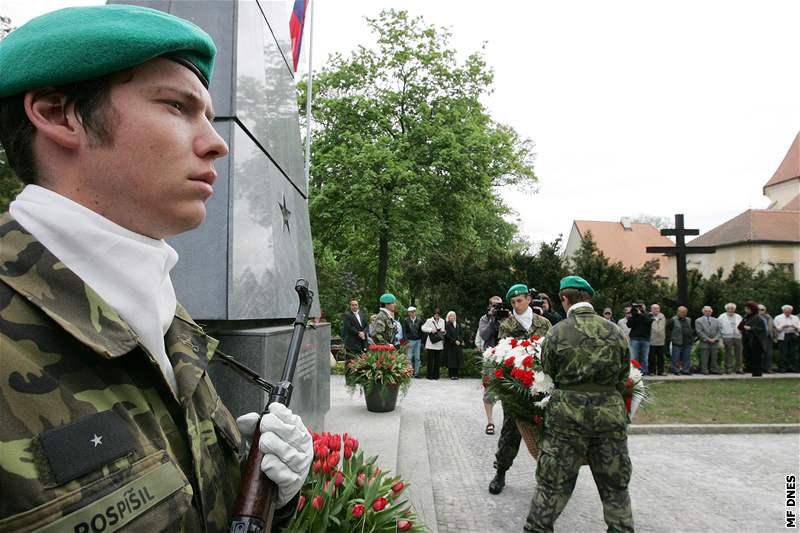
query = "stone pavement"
x=698 y=482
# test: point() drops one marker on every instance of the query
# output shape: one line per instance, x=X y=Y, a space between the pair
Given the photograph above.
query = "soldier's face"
x=520 y=303
x=157 y=175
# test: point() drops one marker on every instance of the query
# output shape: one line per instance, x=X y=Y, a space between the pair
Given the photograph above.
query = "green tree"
x=616 y=284
x=772 y=287
x=9 y=183
x=406 y=159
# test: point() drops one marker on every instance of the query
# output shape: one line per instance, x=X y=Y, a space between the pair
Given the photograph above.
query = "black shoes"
x=497 y=484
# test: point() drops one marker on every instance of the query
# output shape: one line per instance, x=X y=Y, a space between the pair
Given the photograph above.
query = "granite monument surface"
x=237 y=272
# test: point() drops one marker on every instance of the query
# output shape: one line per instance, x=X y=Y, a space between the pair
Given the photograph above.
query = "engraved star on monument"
x=97 y=440
x=285 y=213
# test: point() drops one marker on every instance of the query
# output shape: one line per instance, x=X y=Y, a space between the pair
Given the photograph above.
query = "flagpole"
x=308 y=95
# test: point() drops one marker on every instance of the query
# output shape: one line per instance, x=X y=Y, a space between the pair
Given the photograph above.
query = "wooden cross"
x=680 y=250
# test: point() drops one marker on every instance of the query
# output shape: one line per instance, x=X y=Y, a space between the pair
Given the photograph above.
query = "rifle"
x=255 y=503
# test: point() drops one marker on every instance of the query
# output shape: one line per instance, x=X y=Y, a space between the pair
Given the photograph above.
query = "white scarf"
x=128 y=270
x=525 y=319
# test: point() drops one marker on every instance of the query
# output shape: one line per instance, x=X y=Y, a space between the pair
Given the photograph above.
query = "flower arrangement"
x=381 y=363
x=345 y=493
x=515 y=376
x=635 y=389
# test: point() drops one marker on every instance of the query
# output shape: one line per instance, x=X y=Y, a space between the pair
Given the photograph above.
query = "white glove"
x=288 y=450
x=247 y=425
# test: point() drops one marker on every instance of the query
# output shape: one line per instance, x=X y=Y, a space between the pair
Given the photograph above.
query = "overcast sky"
x=634 y=107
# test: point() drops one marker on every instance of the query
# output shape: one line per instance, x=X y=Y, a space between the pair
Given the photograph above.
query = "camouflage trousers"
x=507 y=444
x=580 y=426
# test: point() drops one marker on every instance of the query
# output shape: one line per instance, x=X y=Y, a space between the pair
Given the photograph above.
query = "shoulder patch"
x=85 y=445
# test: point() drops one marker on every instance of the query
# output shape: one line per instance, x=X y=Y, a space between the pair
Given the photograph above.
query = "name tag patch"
x=115 y=510
x=85 y=445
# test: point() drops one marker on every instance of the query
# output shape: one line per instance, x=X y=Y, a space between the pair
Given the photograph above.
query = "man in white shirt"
x=788 y=326
x=731 y=338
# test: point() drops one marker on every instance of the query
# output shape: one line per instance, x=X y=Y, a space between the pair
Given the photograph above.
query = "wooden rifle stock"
x=255 y=503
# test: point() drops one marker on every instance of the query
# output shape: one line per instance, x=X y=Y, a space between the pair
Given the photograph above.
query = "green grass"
x=735 y=401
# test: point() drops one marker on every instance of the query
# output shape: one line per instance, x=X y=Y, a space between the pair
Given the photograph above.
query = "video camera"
x=537 y=304
x=499 y=311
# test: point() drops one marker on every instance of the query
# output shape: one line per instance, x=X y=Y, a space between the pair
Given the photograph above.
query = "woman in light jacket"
x=434 y=327
x=453 y=345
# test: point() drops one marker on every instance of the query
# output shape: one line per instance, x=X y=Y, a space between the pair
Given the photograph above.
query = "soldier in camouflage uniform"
x=521 y=324
x=385 y=327
x=104 y=426
x=587 y=357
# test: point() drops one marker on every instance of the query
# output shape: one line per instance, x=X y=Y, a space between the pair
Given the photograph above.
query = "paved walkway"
x=680 y=483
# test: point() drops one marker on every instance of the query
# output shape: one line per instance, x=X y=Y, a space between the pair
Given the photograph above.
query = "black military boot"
x=496 y=485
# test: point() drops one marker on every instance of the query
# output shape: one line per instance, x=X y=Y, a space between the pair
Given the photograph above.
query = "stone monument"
x=237 y=272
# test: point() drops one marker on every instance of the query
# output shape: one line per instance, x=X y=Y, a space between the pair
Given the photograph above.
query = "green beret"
x=388 y=298
x=576 y=282
x=80 y=43
x=516 y=290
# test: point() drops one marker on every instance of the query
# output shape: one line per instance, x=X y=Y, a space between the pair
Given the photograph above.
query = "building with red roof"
x=760 y=238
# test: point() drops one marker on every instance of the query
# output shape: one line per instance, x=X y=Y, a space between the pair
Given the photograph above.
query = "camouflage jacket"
x=384 y=328
x=91 y=436
x=586 y=348
x=510 y=327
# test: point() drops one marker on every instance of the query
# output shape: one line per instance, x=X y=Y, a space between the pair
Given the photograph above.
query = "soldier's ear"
x=53 y=117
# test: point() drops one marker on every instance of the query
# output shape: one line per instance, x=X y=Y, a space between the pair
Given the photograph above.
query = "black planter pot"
x=382 y=398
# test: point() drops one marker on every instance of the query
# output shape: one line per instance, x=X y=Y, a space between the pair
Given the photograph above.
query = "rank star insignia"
x=285 y=213
x=97 y=441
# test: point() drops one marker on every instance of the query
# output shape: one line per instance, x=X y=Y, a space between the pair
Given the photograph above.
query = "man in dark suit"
x=355 y=327
x=412 y=332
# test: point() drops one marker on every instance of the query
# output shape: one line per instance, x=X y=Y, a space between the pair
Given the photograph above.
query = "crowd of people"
x=442 y=338
x=726 y=344
x=729 y=343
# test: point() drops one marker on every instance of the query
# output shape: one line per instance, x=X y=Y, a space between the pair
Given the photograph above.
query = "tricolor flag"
x=296 y=23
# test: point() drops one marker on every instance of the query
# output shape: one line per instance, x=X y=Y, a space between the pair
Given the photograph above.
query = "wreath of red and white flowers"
x=515 y=376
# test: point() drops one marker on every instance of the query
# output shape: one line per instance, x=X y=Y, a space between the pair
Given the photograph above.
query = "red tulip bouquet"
x=381 y=363
x=346 y=493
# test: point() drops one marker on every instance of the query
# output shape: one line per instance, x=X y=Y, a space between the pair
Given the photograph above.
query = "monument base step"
x=415 y=467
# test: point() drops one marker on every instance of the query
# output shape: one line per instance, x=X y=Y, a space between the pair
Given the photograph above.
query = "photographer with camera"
x=489 y=324
x=521 y=324
x=488 y=329
x=640 y=323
